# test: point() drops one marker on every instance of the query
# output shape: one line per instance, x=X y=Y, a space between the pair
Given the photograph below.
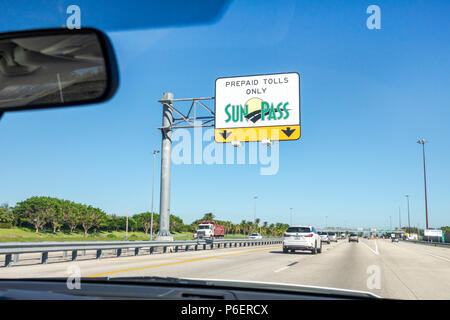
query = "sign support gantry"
x=189 y=120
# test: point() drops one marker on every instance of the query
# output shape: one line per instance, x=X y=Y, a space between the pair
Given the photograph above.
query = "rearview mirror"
x=55 y=68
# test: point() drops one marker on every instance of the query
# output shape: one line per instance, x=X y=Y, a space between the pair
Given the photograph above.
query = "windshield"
x=266 y=118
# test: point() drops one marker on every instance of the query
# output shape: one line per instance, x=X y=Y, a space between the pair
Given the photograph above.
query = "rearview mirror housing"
x=56 y=68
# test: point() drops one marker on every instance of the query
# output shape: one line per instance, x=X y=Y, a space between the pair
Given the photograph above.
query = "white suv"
x=302 y=238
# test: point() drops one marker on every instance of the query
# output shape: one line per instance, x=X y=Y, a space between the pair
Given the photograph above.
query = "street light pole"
x=126 y=228
x=254 y=209
x=166 y=151
x=155 y=152
x=409 y=221
x=291 y=215
x=422 y=142
x=399 y=219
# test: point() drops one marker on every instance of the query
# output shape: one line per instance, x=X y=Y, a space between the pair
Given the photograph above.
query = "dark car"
x=353 y=237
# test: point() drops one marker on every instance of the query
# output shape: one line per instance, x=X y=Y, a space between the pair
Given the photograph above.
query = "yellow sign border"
x=253 y=134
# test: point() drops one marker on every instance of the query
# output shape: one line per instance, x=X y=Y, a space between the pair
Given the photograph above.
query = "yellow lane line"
x=178 y=262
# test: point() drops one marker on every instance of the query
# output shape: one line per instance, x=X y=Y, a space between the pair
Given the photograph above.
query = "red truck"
x=209 y=229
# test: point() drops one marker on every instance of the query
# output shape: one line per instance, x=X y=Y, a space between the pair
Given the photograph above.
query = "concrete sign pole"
x=166 y=151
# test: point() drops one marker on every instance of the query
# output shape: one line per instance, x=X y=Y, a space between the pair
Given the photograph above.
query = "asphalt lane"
x=391 y=270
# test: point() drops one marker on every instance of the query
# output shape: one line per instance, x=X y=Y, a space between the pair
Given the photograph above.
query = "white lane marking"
x=376 y=248
x=282 y=269
x=439 y=257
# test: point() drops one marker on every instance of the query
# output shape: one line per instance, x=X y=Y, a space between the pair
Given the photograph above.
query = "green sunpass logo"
x=255 y=110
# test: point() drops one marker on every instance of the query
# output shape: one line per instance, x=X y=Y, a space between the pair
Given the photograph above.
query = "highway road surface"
x=390 y=270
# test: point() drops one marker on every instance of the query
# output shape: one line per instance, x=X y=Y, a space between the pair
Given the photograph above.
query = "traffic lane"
x=104 y=265
x=267 y=265
x=440 y=252
x=427 y=276
x=253 y=265
x=355 y=266
x=341 y=265
x=348 y=266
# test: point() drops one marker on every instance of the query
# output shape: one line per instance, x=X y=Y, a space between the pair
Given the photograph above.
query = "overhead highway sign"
x=258 y=107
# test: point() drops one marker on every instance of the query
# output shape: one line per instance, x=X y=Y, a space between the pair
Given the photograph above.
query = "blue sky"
x=366 y=95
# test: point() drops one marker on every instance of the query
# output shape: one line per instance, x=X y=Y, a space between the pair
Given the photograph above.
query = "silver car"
x=324 y=237
x=332 y=236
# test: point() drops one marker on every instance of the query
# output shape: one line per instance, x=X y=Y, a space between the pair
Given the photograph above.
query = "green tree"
x=6 y=215
x=144 y=220
x=116 y=223
x=71 y=214
x=55 y=213
x=264 y=228
x=256 y=224
x=90 y=217
x=155 y=222
x=244 y=227
x=34 y=210
x=132 y=224
x=176 y=223
x=208 y=216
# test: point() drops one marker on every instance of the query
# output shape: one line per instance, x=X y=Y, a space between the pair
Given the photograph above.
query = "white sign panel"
x=433 y=233
x=265 y=103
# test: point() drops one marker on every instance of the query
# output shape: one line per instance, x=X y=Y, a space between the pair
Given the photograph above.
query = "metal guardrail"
x=12 y=250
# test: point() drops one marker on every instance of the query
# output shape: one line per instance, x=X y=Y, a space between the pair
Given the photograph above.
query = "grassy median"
x=24 y=234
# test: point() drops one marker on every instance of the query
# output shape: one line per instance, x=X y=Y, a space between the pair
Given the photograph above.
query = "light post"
x=399 y=219
x=422 y=142
x=409 y=221
x=291 y=215
x=254 y=209
x=126 y=228
x=155 y=152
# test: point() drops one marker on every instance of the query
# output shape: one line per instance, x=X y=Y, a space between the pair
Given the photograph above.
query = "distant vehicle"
x=353 y=237
x=209 y=230
x=413 y=236
x=302 y=238
x=324 y=237
x=255 y=236
x=343 y=236
x=332 y=236
x=393 y=239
